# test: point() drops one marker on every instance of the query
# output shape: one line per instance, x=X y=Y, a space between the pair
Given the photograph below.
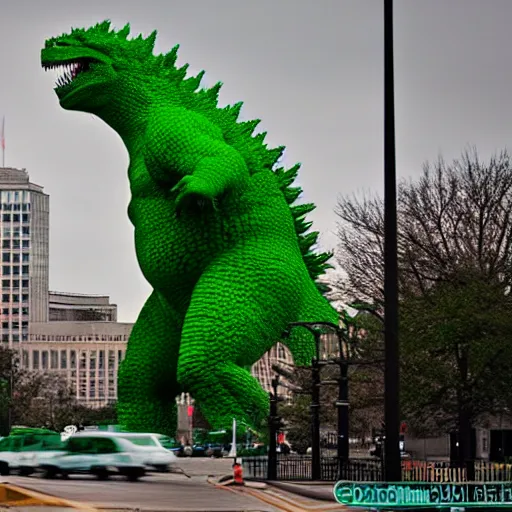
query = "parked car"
x=99 y=455
x=154 y=447
x=23 y=446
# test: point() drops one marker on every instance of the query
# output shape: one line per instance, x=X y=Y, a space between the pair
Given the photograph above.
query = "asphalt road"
x=169 y=492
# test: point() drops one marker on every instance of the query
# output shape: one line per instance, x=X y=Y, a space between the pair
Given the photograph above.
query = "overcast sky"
x=311 y=70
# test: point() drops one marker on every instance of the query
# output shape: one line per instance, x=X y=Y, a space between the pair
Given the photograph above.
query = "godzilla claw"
x=191 y=190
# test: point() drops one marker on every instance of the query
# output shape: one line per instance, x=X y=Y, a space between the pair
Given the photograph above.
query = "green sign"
x=422 y=494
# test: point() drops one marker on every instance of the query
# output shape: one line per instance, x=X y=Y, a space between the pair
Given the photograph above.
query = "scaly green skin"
x=216 y=234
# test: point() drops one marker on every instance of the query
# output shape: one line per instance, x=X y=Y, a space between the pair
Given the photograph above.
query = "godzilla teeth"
x=65 y=72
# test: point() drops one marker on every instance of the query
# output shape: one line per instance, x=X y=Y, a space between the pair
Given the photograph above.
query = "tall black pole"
x=342 y=404
x=392 y=375
x=272 y=424
x=316 y=467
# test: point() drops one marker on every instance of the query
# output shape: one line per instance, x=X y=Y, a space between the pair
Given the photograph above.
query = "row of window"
x=16 y=270
x=15 y=207
x=6 y=283
x=90 y=337
x=49 y=359
x=15 y=217
x=15 y=231
x=15 y=337
x=15 y=325
x=15 y=311
x=15 y=196
x=15 y=244
x=15 y=297
x=16 y=257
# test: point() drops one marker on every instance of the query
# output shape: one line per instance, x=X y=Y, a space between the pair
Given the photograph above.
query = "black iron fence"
x=298 y=468
x=295 y=467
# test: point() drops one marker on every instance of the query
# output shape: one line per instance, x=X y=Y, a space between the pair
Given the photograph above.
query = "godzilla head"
x=92 y=63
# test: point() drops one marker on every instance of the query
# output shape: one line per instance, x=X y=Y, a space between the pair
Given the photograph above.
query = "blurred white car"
x=18 y=452
x=99 y=455
x=152 y=448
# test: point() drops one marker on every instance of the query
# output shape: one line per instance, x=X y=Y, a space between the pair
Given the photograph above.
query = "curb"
x=14 y=495
x=299 y=490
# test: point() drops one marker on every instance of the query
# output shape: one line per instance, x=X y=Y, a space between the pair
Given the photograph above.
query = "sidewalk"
x=314 y=490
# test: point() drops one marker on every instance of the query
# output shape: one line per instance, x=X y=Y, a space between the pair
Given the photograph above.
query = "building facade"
x=24 y=231
x=86 y=354
x=74 y=307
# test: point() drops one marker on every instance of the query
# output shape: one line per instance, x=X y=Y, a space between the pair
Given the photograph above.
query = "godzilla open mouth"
x=68 y=71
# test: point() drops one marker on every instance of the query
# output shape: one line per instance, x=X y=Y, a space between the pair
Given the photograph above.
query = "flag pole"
x=3 y=141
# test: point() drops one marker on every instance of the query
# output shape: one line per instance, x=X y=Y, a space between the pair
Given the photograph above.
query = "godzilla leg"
x=147 y=384
x=239 y=309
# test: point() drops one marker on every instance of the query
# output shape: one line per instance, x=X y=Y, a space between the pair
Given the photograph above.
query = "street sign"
x=404 y=495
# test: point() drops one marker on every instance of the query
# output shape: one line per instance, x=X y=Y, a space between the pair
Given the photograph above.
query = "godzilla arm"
x=189 y=155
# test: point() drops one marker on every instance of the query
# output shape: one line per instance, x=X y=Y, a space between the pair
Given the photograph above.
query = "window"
x=25 y=244
x=16 y=298
x=54 y=359
x=119 y=356
x=6 y=271
x=15 y=311
x=72 y=358
x=5 y=311
x=15 y=244
x=15 y=257
x=24 y=297
x=5 y=325
x=6 y=297
x=16 y=217
x=6 y=283
x=24 y=283
x=25 y=257
x=24 y=270
x=16 y=283
x=16 y=338
x=25 y=359
x=44 y=360
x=5 y=338
x=101 y=362
x=6 y=257
x=105 y=445
x=63 y=360
x=35 y=360
x=7 y=232
x=24 y=311
x=6 y=244
x=141 y=440
x=25 y=230
x=6 y=217
x=24 y=217
x=16 y=270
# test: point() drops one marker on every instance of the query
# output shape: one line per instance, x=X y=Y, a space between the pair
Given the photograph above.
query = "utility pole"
x=272 y=428
x=392 y=375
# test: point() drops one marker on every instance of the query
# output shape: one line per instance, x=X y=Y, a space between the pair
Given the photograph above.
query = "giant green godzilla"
x=217 y=235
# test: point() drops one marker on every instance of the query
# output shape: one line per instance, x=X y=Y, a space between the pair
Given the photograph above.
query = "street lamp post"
x=392 y=376
x=272 y=426
x=341 y=403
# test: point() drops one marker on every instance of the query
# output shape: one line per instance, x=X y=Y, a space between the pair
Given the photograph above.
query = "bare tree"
x=454 y=257
x=456 y=216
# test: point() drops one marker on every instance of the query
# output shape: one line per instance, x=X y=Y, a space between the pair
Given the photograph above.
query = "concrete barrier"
x=16 y=496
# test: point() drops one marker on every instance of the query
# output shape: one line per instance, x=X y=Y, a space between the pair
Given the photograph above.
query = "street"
x=172 y=492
